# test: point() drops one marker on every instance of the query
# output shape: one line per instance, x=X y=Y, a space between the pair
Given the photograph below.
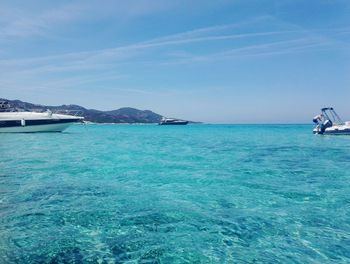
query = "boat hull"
x=36 y=128
x=338 y=130
x=174 y=123
x=29 y=122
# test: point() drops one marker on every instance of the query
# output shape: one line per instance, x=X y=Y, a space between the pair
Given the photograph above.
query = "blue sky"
x=250 y=61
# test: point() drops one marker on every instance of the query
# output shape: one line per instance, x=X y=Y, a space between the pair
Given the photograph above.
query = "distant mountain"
x=122 y=115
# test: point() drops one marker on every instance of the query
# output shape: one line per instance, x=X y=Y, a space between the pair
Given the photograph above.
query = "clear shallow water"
x=155 y=194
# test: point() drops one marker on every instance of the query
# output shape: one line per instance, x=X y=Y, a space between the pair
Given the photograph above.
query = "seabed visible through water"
x=189 y=194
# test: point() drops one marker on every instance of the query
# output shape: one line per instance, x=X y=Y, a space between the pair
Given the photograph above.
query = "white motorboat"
x=12 y=121
x=172 y=121
x=329 y=123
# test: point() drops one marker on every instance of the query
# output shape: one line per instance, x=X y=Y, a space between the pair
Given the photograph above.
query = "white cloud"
x=86 y=67
x=19 y=22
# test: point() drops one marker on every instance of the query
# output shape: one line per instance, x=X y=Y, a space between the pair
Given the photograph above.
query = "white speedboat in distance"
x=172 y=121
x=329 y=123
x=25 y=122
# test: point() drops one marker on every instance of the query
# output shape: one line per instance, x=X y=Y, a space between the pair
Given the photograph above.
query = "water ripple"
x=194 y=194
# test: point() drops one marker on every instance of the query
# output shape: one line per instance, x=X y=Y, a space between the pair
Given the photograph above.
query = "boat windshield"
x=4 y=106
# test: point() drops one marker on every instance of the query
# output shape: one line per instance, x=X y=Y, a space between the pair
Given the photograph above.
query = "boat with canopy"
x=330 y=123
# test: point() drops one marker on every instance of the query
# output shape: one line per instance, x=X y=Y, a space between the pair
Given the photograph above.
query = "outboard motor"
x=326 y=124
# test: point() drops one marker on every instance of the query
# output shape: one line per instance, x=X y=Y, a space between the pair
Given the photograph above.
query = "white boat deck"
x=34 y=116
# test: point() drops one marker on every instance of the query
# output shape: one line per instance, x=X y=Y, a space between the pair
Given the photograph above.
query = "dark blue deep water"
x=186 y=194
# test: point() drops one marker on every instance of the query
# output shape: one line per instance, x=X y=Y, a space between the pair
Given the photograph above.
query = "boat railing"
x=6 y=107
x=69 y=112
x=33 y=111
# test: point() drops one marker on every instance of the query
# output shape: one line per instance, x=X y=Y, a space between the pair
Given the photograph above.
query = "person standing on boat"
x=317 y=119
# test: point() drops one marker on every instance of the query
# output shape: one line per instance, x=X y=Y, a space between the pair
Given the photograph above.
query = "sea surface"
x=175 y=194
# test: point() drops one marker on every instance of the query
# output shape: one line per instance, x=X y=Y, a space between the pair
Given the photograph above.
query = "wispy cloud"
x=101 y=65
x=128 y=51
x=21 y=22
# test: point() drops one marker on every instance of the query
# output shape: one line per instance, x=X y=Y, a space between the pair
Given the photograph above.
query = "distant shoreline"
x=124 y=115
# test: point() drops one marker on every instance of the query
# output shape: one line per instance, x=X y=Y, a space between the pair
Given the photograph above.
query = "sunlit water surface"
x=157 y=194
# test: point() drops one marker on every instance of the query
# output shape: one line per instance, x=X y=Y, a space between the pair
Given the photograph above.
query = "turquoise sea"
x=177 y=194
